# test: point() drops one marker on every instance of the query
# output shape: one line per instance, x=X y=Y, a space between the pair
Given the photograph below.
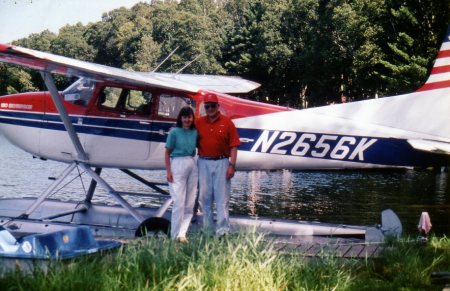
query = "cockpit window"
x=80 y=92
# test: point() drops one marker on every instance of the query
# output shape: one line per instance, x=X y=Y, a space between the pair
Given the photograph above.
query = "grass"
x=239 y=262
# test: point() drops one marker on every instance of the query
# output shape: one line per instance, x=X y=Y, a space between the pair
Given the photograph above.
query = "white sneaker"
x=182 y=239
x=222 y=232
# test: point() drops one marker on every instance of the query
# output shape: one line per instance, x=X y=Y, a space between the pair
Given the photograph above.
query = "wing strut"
x=49 y=190
x=48 y=79
x=81 y=154
x=93 y=174
x=112 y=192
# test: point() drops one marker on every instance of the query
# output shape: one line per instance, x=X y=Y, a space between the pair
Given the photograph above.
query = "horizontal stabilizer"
x=432 y=146
x=222 y=84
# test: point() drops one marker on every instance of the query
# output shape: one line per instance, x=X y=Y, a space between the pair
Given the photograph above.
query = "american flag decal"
x=440 y=74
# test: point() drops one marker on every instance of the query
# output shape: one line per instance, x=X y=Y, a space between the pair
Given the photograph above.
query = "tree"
x=198 y=37
x=269 y=43
x=358 y=36
x=70 y=42
x=287 y=33
x=411 y=49
x=390 y=44
x=124 y=38
x=15 y=80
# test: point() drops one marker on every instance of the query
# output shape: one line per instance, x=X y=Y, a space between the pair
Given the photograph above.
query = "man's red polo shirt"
x=216 y=138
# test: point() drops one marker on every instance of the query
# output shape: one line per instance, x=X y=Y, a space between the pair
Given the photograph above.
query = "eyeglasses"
x=211 y=105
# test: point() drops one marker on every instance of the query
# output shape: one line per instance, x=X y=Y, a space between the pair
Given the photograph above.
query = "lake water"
x=348 y=197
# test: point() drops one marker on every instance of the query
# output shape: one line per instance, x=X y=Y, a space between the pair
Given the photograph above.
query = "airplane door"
x=120 y=125
x=166 y=112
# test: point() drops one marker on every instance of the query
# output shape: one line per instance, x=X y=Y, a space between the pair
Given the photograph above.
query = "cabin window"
x=170 y=105
x=125 y=101
x=109 y=97
x=80 y=92
x=138 y=102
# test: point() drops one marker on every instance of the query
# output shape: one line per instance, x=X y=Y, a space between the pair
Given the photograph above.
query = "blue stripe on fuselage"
x=21 y=119
x=104 y=122
x=348 y=148
x=131 y=129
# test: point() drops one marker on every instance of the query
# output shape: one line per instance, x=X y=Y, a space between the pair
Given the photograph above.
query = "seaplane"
x=113 y=118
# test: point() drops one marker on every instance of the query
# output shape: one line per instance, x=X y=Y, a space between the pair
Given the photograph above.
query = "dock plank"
x=355 y=251
x=340 y=248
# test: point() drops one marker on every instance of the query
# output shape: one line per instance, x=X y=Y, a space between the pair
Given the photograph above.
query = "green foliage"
x=70 y=43
x=39 y=41
x=300 y=50
x=195 y=27
x=15 y=80
x=358 y=40
x=405 y=71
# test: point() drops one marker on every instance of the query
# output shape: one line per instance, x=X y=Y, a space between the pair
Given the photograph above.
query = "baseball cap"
x=211 y=98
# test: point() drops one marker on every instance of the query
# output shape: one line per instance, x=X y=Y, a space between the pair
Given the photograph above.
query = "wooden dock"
x=322 y=247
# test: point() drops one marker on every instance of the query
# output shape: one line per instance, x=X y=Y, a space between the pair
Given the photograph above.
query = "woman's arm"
x=168 y=170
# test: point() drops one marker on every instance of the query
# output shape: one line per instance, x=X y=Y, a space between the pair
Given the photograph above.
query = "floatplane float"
x=113 y=118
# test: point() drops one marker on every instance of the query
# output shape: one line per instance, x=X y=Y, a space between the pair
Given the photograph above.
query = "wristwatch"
x=231 y=164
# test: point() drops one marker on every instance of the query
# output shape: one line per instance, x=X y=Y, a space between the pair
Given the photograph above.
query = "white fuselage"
x=362 y=134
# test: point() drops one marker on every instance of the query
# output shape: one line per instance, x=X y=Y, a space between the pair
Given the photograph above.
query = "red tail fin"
x=440 y=74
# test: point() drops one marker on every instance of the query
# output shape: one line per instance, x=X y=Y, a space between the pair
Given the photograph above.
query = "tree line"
x=301 y=51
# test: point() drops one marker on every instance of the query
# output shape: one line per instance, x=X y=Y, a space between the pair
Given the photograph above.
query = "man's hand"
x=232 y=163
x=230 y=172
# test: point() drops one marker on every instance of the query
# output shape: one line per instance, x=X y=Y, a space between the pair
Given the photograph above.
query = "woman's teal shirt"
x=182 y=142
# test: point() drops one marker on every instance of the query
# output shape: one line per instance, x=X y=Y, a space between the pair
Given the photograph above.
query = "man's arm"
x=232 y=163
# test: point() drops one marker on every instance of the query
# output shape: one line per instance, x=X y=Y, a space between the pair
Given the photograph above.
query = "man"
x=218 y=140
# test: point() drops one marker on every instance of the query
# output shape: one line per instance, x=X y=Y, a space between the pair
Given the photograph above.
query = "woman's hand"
x=169 y=176
x=167 y=162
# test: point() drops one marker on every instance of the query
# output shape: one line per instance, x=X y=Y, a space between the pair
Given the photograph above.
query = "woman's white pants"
x=183 y=191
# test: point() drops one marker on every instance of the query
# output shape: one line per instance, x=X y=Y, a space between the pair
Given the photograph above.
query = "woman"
x=182 y=173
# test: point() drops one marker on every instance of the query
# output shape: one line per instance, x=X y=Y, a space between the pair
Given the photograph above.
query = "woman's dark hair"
x=186 y=111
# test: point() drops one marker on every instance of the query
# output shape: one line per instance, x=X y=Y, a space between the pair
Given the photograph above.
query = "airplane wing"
x=67 y=66
x=222 y=84
x=433 y=146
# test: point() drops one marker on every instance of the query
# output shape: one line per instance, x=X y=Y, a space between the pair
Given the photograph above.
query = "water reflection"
x=348 y=197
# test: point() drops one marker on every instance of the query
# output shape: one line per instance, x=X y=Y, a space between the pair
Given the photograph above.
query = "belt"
x=214 y=158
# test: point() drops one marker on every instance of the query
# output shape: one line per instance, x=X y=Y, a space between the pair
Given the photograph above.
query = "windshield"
x=79 y=92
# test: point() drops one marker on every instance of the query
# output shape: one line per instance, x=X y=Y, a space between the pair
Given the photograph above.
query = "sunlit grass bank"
x=241 y=262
